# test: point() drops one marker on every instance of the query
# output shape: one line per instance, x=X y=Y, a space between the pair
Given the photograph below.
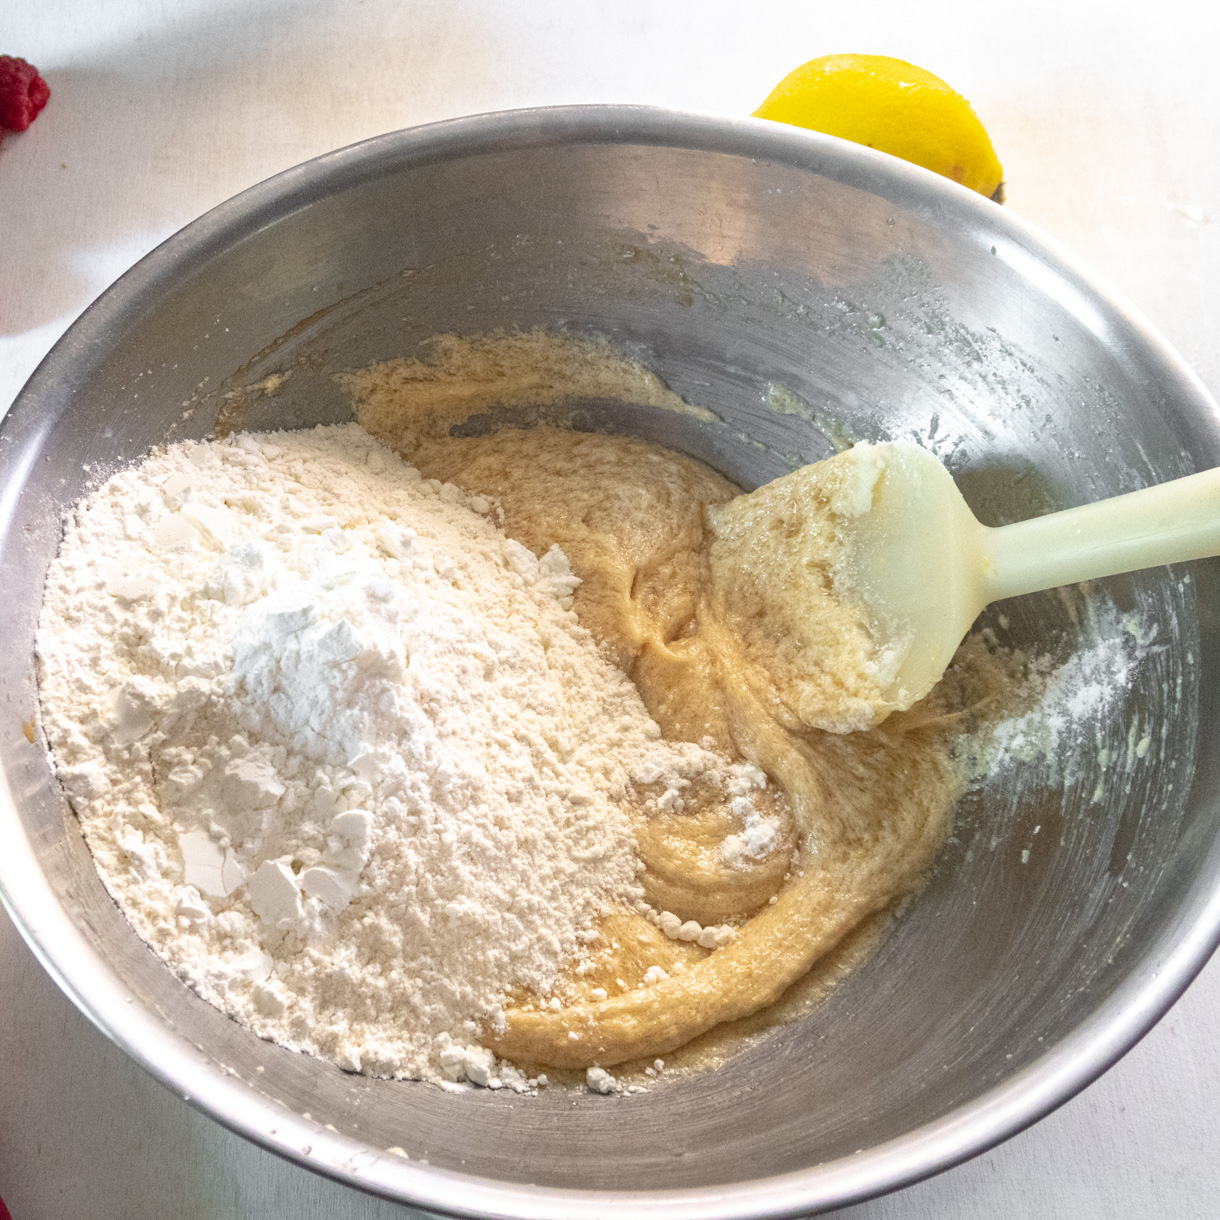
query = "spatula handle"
x=1165 y=524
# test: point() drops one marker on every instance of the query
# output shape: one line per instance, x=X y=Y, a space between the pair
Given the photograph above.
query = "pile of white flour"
x=342 y=752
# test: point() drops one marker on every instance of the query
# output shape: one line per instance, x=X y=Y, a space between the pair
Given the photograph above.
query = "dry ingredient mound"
x=342 y=752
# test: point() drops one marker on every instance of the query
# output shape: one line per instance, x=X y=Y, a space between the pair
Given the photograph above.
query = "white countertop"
x=1107 y=119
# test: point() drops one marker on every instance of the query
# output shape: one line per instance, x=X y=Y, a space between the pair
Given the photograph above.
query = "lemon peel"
x=893 y=106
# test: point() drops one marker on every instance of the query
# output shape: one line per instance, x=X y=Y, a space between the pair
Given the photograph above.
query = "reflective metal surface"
x=805 y=291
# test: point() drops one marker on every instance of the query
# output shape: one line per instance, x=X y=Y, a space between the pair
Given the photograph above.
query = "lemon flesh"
x=893 y=106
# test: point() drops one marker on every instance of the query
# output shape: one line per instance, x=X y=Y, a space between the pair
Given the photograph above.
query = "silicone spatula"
x=924 y=567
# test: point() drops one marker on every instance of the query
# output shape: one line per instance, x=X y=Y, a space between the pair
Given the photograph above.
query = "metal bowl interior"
x=734 y=257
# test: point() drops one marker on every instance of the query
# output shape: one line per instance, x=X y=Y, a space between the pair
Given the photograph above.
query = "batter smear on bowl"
x=433 y=755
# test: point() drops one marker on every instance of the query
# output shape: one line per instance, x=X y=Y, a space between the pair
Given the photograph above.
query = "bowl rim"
x=1028 y=1095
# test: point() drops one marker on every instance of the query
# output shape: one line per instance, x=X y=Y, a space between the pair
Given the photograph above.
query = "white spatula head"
x=915 y=562
x=848 y=584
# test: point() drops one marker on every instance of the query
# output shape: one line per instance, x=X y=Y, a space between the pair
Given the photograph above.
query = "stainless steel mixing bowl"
x=803 y=289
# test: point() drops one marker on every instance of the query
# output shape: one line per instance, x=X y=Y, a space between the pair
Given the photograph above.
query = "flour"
x=342 y=752
x=1064 y=706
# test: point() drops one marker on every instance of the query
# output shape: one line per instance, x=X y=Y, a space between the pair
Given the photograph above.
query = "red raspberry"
x=23 y=93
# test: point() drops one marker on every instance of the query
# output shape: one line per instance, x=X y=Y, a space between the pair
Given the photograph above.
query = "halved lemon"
x=893 y=106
